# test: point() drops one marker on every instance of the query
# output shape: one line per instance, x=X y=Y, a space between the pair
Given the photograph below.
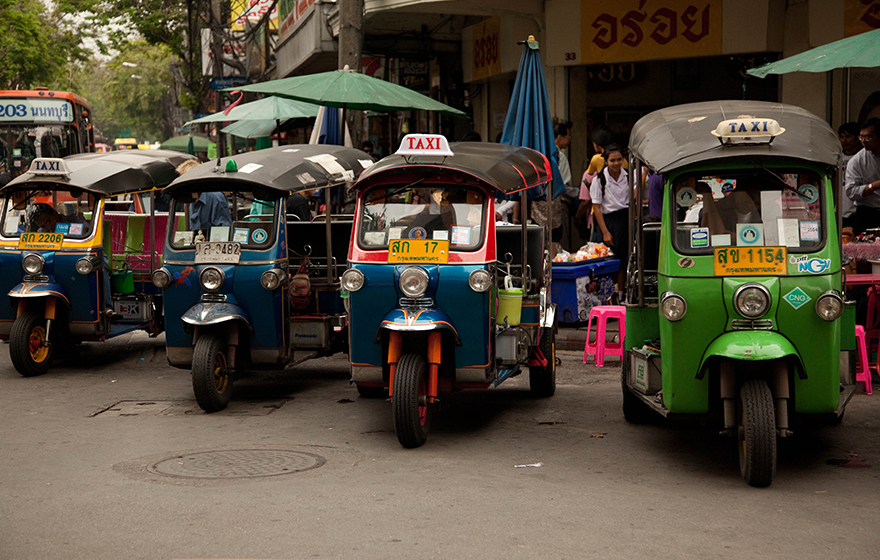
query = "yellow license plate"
x=39 y=240
x=428 y=251
x=750 y=261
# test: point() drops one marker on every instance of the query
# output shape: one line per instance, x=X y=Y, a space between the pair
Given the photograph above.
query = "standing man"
x=570 y=197
x=863 y=178
x=848 y=133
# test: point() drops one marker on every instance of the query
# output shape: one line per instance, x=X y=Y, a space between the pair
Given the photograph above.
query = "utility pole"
x=351 y=44
x=217 y=56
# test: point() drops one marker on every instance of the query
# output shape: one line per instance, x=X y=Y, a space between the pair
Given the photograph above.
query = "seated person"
x=44 y=218
x=723 y=215
x=210 y=209
x=298 y=205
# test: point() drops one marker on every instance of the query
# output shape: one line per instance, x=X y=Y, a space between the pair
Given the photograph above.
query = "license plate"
x=218 y=252
x=750 y=261
x=429 y=251
x=39 y=240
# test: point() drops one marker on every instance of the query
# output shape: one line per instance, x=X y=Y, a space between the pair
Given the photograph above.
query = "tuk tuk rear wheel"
x=409 y=403
x=212 y=378
x=542 y=380
x=756 y=433
x=27 y=348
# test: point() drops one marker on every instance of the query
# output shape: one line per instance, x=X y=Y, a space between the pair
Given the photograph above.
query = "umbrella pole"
x=328 y=234
x=523 y=220
x=152 y=231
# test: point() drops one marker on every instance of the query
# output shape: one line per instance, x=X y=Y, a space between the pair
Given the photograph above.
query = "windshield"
x=55 y=211
x=20 y=144
x=236 y=217
x=749 y=208
x=446 y=212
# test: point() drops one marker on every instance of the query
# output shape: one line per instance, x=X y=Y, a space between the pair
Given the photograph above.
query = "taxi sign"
x=424 y=145
x=425 y=251
x=746 y=128
x=49 y=166
x=750 y=261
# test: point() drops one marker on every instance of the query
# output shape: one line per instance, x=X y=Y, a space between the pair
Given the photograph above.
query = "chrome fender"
x=417 y=320
x=38 y=290
x=213 y=313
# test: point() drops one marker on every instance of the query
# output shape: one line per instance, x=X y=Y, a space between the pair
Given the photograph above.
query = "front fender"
x=417 y=320
x=37 y=290
x=213 y=313
x=750 y=346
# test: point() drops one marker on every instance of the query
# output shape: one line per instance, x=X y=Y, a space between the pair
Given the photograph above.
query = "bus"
x=126 y=144
x=42 y=123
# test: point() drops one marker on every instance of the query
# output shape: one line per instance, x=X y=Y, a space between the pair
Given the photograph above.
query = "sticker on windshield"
x=76 y=229
x=809 y=231
x=62 y=228
x=259 y=235
x=686 y=197
x=699 y=237
x=240 y=235
x=418 y=232
x=808 y=193
x=749 y=234
x=797 y=298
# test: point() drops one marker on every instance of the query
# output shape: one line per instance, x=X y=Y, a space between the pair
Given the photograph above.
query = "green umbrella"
x=251 y=129
x=350 y=90
x=270 y=108
x=182 y=143
x=858 y=51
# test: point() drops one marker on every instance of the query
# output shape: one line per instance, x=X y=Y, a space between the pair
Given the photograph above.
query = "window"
x=236 y=217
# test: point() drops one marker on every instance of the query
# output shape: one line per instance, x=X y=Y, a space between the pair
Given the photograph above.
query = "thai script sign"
x=35 y=110
x=244 y=11
x=628 y=30
x=487 y=48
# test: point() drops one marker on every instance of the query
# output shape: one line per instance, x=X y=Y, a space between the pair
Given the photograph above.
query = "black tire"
x=542 y=380
x=410 y=409
x=29 y=356
x=634 y=410
x=372 y=392
x=756 y=433
x=212 y=378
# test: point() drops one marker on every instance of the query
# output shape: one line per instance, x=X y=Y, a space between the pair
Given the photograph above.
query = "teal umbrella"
x=182 y=144
x=251 y=129
x=858 y=51
x=350 y=90
x=268 y=109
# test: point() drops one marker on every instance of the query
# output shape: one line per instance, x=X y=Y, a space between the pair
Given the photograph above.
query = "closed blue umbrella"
x=528 y=122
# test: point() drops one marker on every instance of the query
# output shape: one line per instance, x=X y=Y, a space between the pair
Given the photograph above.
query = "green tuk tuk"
x=735 y=304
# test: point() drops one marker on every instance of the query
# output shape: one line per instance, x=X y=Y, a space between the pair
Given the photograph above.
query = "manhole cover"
x=245 y=463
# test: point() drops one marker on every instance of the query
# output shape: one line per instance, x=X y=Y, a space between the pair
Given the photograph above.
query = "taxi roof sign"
x=424 y=145
x=746 y=128
x=49 y=166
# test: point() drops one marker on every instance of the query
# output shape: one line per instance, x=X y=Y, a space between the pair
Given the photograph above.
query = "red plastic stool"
x=863 y=373
x=600 y=347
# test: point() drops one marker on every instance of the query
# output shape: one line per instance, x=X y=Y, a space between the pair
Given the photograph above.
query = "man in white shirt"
x=863 y=178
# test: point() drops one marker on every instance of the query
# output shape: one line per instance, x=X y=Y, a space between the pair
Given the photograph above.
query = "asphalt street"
x=108 y=456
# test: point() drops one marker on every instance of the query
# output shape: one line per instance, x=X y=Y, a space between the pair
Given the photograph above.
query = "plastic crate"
x=569 y=288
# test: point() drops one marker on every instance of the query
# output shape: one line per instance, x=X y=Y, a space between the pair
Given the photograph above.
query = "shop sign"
x=414 y=74
x=633 y=30
x=289 y=12
x=244 y=11
x=487 y=48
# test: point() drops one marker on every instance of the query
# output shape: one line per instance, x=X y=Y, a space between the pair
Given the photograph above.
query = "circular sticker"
x=808 y=193
x=686 y=262
x=418 y=233
x=686 y=197
x=749 y=235
x=259 y=235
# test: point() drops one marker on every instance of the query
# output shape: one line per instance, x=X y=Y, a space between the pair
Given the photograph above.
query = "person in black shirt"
x=298 y=205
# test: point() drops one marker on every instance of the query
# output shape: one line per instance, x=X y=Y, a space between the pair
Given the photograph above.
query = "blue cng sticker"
x=259 y=235
x=749 y=234
x=797 y=298
x=808 y=193
x=699 y=237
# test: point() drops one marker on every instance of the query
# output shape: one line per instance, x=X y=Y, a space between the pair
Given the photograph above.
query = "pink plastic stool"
x=863 y=373
x=599 y=348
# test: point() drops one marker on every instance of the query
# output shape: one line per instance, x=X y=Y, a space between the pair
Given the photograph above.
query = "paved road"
x=84 y=449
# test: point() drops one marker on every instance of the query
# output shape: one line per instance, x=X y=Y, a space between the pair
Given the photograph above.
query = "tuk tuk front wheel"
x=409 y=403
x=756 y=433
x=212 y=378
x=542 y=380
x=27 y=345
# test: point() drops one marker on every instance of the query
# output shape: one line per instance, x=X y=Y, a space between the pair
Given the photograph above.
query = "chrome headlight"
x=673 y=306
x=414 y=281
x=352 y=279
x=211 y=278
x=829 y=306
x=273 y=278
x=480 y=280
x=751 y=300
x=33 y=263
x=161 y=278
x=87 y=265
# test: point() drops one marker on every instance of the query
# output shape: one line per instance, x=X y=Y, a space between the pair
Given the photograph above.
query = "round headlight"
x=272 y=278
x=829 y=306
x=480 y=280
x=352 y=279
x=414 y=281
x=161 y=278
x=752 y=300
x=33 y=263
x=84 y=266
x=673 y=306
x=211 y=279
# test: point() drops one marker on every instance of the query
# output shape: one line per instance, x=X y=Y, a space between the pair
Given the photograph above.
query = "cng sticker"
x=796 y=298
x=699 y=237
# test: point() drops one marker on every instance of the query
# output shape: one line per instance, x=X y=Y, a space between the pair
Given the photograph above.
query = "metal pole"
x=152 y=231
x=328 y=234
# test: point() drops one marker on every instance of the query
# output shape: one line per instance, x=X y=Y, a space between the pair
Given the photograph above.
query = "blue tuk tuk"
x=254 y=287
x=73 y=269
x=440 y=297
